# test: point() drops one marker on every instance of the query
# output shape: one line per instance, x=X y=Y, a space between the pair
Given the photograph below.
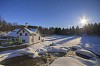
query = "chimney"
x=26 y=25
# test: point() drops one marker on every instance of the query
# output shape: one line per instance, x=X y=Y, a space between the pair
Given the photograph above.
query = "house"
x=23 y=35
x=30 y=36
x=5 y=38
x=13 y=33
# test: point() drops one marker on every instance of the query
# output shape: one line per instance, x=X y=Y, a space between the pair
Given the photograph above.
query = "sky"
x=50 y=13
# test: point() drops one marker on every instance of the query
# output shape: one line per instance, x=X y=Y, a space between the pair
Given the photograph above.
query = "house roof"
x=28 y=30
x=13 y=33
x=33 y=30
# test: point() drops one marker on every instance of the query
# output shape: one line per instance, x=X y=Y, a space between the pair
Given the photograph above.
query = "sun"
x=83 y=21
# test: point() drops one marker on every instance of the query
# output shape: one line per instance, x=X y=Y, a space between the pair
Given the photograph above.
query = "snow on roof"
x=28 y=30
x=16 y=30
x=13 y=33
x=33 y=30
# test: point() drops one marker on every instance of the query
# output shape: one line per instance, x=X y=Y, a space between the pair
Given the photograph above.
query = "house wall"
x=31 y=39
x=36 y=38
x=26 y=38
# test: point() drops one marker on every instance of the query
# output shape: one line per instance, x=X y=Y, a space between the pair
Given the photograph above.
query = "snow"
x=66 y=61
x=42 y=51
x=28 y=30
x=13 y=53
x=91 y=43
x=60 y=43
x=32 y=51
x=29 y=52
x=74 y=61
x=87 y=62
x=85 y=52
x=76 y=47
x=33 y=30
x=13 y=33
x=57 y=49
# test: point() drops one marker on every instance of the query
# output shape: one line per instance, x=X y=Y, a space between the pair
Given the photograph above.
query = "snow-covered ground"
x=73 y=61
x=57 y=43
x=19 y=52
x=91 y=43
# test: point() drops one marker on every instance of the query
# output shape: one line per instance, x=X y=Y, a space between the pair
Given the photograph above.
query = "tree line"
x=89 y=29
x=92 y=29
x=7 y=26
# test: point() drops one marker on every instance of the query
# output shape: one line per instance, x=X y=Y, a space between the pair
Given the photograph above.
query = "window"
x=39 y=37
x=34 y=34
x=23 y=40
x=20 y=34
x=12 y=39
x=23 y=31
x=31 y=40
x=25 y=34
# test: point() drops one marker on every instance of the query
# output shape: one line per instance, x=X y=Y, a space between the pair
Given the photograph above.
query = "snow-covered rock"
x=76 y=47
x=57 y=49
x=42 y=51
x=85 y=53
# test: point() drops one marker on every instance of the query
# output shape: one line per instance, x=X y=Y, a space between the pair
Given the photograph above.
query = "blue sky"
x=50 y=13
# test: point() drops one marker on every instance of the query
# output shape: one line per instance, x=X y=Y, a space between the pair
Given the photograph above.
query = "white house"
x=30 y=36
x=25 y=35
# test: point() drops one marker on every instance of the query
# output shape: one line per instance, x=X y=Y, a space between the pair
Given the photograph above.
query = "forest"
x=89 y=29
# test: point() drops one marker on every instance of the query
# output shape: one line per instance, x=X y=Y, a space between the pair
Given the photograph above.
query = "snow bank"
x=87 y=62
x=30 y=52
x=91 y=43
x=8 y=55
x=85 y=52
